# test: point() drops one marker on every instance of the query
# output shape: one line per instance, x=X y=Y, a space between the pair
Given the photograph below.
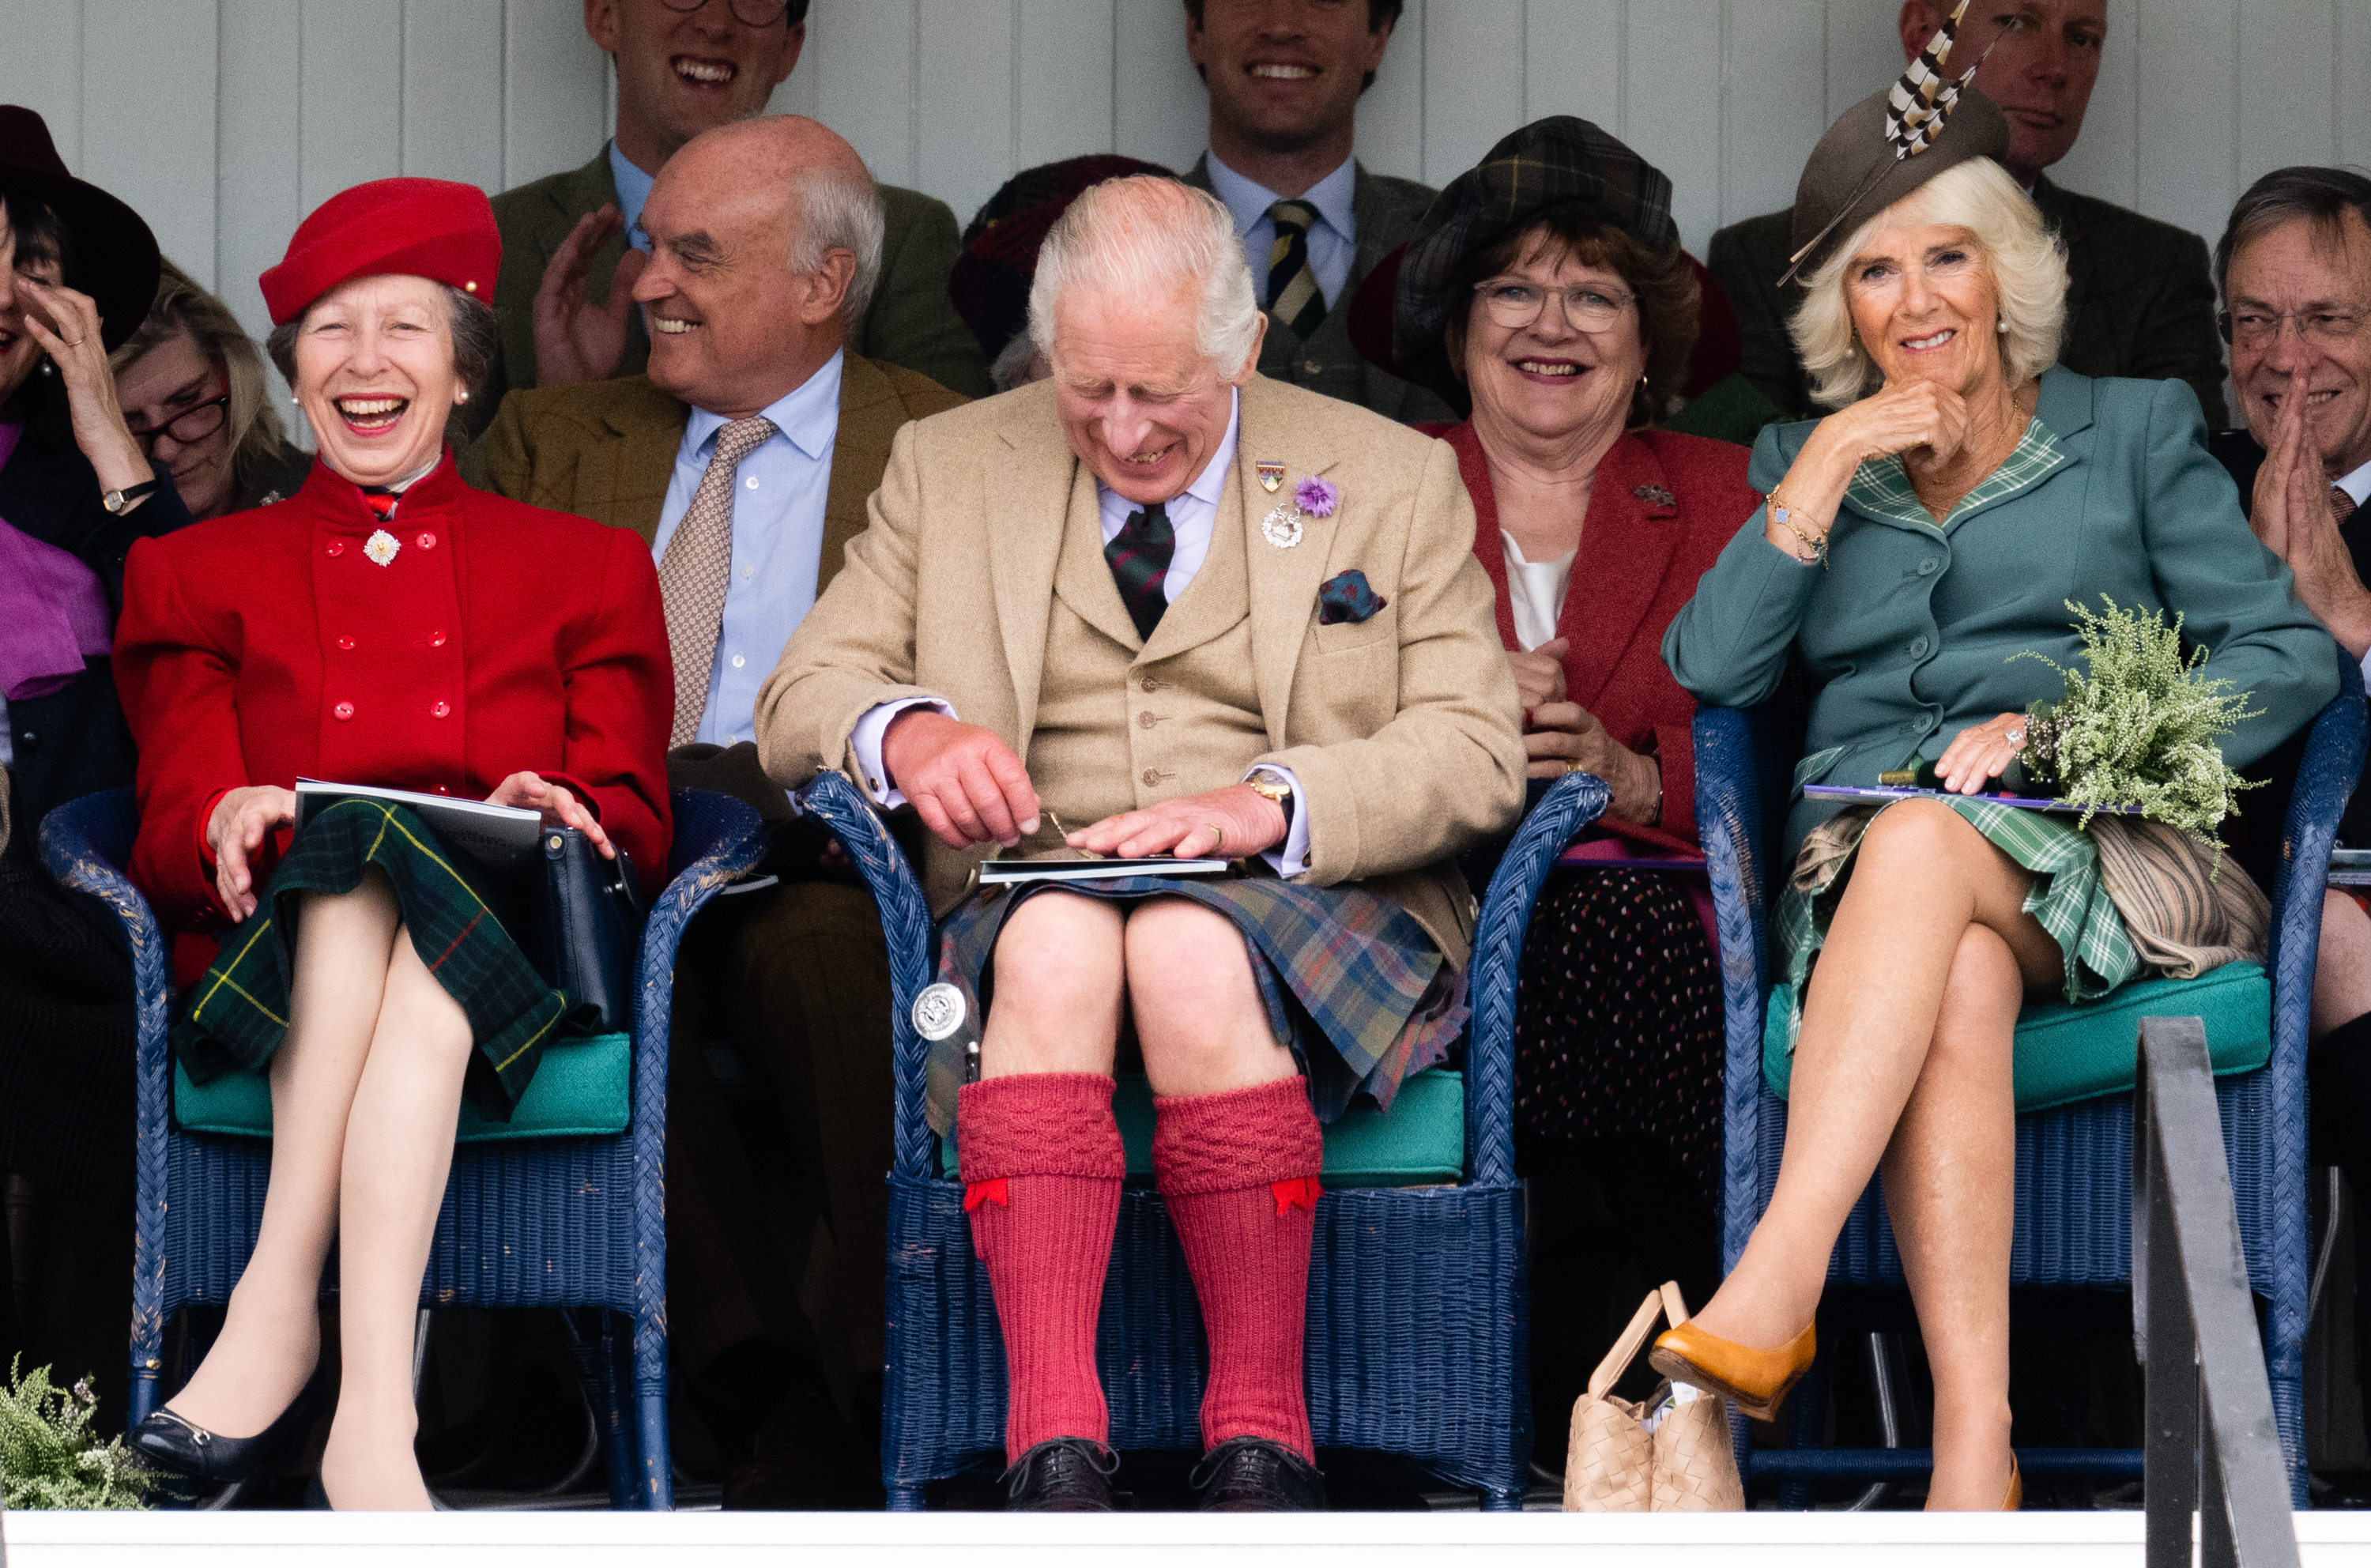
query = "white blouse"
x=1535 y=591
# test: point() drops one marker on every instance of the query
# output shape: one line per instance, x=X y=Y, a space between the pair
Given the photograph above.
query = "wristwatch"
x=1270 y=787
x=115 y=500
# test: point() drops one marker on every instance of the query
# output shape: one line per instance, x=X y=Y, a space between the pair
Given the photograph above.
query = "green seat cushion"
x=2068 y=1053
x=581 y=1088
x=1422 y=1143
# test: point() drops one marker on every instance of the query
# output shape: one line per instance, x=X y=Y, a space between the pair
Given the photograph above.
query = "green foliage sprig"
x=49 y=1458
x=2140 y=727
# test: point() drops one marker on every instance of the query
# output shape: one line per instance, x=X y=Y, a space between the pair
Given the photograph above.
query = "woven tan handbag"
x=1615 y=1465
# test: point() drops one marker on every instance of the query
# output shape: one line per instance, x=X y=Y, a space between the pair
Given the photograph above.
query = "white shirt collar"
x=1248 y=200
x=2357 y=484
x=807 y=415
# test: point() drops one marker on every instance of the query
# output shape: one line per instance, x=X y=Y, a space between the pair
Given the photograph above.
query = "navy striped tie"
x=1140 y=556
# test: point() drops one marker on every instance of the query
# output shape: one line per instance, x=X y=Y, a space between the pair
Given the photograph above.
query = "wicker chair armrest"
x=86 y=843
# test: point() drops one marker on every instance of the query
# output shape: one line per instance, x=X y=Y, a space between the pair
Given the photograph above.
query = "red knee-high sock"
x=1042 y=1166
x=1239 y=1171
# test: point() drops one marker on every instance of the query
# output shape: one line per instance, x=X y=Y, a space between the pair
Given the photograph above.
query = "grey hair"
x=471 y=330
x=2028 y=268
x=838 y=211
x=1141 y=232
x=1011 y=366
x=2304 y=191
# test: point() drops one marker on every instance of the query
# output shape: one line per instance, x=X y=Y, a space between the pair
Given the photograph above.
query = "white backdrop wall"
x=225 y=120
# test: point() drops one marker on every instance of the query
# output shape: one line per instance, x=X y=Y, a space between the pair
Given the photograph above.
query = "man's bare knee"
x=1198 y=1011
x=1058 y=981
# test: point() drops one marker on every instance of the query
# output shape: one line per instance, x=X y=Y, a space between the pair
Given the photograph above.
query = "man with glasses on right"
x=2295 y=265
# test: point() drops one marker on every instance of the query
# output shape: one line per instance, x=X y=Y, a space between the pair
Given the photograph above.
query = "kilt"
x=237 y=1012
x=1354 y=987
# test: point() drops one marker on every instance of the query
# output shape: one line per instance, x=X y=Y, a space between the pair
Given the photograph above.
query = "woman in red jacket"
x=1546 y=288
x=389 y=626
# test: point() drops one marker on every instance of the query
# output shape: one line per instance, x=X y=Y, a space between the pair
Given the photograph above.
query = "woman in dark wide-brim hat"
x=387 y=624
x=1913 y=544
x=1546 y=288
x=77 y=270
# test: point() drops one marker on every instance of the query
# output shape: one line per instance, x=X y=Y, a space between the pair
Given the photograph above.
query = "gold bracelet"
x=1783 y=515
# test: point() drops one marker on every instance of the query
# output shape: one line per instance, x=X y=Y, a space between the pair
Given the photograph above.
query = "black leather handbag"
x=586 y=929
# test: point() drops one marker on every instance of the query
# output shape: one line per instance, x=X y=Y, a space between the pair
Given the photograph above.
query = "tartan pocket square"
x=1348 y=599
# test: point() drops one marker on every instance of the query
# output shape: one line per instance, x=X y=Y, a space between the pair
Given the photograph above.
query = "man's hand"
x=574 y=338
x=966 y=783
x=242 y=820
x=1539 y=674
x=559 y=806
x=2291 y=513
x=1237 y=823
x=1562 y=733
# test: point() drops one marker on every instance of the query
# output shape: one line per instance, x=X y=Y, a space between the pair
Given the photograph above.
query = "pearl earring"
x=464 y=397
x=2000 y=326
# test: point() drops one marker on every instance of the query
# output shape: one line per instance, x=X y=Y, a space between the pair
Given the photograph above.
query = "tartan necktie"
x=1293 y=296
x=2341 y=505
x=697 y=568
x=1140 y=556
x=381 y=502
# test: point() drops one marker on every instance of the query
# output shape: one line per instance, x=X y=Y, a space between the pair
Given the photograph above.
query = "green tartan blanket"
x=2067 y=898
x=237 y=1012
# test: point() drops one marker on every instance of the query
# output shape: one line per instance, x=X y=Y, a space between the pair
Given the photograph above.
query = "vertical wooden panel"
x=1391 y=115
x=148 y=72
x=2284 y=104
x=864 y=67
x=453 y=91
x=41 y=57
x=1572 y=60
x=1473 y=73
x=2350 y=47
x=1061 y=80
x=964 y=105
x=1672 y=60
x=2105 y=161
x=1771 y=114
x=2188 y=172
x=1161 y=113
x=555 y=94
x=1864 y=53
x=258 y=182
x=349 y=95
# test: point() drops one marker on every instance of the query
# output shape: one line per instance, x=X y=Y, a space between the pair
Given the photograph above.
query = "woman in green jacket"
x=1939 y=523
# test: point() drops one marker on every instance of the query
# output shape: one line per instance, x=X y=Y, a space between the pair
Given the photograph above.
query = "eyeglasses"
x=749 y=13
x=188 y=428
x=1514 y=305
x=2253 y=329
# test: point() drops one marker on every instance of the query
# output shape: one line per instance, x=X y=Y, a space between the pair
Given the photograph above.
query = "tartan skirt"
x=1354 y=987
x=2069 y=898
x=237 y=1012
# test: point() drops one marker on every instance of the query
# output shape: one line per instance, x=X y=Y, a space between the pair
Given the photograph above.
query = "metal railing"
x=2211 y=1438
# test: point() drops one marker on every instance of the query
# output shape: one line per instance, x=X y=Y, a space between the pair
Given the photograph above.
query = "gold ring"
x=1219 y=836
x=1572 y=765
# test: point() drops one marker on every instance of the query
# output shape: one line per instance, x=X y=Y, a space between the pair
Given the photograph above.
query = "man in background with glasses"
x=2295 y=264
x=686 y=66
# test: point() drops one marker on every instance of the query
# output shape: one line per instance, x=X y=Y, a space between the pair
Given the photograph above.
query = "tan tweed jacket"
x=977 y=582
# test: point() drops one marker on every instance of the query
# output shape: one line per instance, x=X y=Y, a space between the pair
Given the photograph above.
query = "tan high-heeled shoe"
x=1756 y=1380
x=2016 y=1499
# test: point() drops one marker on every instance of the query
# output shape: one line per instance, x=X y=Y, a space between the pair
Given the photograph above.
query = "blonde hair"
x=1141 y=232
x=2026 y=260
x=180 y=306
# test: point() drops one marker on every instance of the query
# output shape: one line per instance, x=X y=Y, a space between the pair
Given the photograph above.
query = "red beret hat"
x=429 y=228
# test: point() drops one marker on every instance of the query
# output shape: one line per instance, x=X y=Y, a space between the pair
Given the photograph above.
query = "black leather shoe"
x=186 y=1448
x=1253 y=1475
x=1061 y=1475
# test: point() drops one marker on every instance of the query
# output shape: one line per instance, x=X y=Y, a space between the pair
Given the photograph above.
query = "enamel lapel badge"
x=1271 y=476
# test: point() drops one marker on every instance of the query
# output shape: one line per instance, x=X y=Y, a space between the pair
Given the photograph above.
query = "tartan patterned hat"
x=1552 y=163
x=990 y=284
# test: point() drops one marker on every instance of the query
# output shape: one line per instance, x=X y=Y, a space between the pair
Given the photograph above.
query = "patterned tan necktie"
x=2341 y=505
x=1293 y=296
x=697 y=568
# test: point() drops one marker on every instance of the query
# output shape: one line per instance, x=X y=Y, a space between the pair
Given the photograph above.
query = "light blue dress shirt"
x=633 y=190
x=1333 y=241
x=777 y=503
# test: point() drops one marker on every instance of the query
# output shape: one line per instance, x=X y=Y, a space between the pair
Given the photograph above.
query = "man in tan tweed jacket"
x=1172 y=607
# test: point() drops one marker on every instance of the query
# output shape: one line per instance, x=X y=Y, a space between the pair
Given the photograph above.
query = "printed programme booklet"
x=500 y=838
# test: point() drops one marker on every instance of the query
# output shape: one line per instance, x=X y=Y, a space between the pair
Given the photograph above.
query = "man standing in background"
x=2139 y=302
x=1285 y=77
x=686 y=66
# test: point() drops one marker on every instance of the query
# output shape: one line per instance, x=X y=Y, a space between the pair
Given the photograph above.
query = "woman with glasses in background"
x=191 y=388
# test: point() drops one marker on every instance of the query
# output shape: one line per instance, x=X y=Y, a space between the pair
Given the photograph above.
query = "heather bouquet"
x=2138 y=727
x=49 y=1458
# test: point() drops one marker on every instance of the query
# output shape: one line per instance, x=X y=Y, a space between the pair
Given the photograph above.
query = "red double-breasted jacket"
x=279 y=643
x=1660 y=510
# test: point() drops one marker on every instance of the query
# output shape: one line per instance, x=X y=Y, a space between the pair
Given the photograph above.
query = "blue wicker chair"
x=555 y=1222
x=1418 y=1317
x=2073 y=1163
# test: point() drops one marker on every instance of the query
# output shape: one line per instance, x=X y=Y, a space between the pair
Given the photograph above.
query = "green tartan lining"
x=2068 y=898
x=1882 y=486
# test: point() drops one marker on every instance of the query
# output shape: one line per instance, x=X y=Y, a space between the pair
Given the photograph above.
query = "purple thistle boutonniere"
x=1316 y=496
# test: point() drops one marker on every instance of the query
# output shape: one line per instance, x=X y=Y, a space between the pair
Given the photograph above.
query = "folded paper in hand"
x=500 y=838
